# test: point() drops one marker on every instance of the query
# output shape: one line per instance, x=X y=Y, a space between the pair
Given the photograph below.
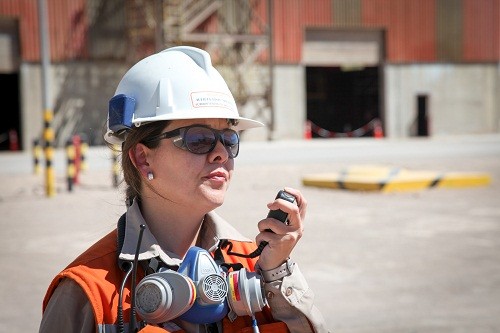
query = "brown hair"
x=131 y=175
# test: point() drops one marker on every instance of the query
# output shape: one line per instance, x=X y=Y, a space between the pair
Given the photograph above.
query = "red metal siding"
x=481 y=24
x=23 y=10
x=67 y=27
x=290 y=19
x=409 y=26
x=260 y=10
x=286 y=30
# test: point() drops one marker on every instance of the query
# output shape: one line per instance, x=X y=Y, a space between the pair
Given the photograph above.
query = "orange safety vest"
x=97 y=272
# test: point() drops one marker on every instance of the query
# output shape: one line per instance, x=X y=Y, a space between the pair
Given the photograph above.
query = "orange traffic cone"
x=13 y=140
x=378 y=132
x=308 y=131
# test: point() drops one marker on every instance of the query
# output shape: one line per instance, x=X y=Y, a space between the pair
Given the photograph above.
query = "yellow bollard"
x=70 y=167
x=48 y=137
x=77 y=159
x=84 y=147
x=37 y=156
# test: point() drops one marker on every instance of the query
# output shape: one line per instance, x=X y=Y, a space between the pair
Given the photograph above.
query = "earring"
x=150 y=175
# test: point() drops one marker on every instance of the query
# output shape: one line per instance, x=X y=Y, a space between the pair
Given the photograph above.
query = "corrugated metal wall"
x=415 y=31
x=409 y=27
x=290 y=19
x=481 y=26
x=67 y=27
x=449 y=30
x=26 y=12
x=347 y=13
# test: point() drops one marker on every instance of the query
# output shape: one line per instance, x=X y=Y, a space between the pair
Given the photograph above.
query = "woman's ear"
x=139 y=155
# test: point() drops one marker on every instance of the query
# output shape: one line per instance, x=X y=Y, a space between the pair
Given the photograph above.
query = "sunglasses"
x=199 y=139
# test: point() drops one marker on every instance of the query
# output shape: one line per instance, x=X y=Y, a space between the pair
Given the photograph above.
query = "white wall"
x=30 y=103
x=462 y=98
x=289 y=100
x=289 y=95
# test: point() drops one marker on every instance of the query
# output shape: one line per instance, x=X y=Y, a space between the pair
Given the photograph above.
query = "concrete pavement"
x=422 y=261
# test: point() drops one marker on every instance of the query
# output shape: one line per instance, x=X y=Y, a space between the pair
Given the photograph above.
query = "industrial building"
x=306 y=68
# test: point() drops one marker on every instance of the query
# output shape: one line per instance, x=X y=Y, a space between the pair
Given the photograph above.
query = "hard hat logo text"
x=203 y=99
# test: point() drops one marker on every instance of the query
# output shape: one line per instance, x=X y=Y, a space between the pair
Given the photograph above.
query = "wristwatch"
x=279 y=272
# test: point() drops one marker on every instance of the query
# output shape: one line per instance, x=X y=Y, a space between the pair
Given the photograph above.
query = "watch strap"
x=279 y=272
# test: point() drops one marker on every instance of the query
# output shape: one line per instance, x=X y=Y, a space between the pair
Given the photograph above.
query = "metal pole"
x=270 y=17
x=159 y=38
x=48 y=115
x=496 y=126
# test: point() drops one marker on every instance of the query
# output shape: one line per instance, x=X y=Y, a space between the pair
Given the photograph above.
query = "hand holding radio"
x=278 y=214
x=289 y=208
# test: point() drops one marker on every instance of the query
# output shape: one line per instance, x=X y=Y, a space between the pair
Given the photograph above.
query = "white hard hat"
x=177 y=83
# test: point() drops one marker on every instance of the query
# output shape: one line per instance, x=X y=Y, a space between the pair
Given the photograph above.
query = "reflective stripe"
x=110 y=328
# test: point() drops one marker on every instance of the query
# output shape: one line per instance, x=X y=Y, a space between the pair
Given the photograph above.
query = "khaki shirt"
x=290 y=299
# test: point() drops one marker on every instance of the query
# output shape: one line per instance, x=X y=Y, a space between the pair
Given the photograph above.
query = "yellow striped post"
x=48 y=136
x=77 y=144
x=37 y=156
x=70 y=164
x=84 y=147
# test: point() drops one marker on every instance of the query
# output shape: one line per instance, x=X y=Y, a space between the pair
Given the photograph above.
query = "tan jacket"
x=77 y=301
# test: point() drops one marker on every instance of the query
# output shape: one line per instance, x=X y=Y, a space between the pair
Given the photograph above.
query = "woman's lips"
x=217 y=176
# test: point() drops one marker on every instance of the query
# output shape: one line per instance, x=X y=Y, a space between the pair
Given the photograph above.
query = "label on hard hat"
x=210 y=99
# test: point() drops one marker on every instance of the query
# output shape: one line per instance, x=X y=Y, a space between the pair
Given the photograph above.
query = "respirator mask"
x=200 y=292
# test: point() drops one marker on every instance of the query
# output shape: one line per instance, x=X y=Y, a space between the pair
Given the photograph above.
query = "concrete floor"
x=419 y=261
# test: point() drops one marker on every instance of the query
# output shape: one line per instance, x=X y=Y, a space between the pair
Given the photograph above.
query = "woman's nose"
x=220 y=152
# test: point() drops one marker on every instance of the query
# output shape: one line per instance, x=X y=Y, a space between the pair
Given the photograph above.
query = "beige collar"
x=214 y=229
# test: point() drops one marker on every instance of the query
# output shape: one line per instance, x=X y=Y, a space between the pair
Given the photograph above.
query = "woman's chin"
x=215 y=196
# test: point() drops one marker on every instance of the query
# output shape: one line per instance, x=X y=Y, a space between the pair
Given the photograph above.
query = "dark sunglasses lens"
x=199 y=140
x=232 y=142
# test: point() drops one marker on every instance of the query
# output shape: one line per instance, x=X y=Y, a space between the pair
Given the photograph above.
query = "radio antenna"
x=132 y=326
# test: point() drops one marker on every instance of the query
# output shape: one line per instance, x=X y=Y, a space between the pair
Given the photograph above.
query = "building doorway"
x=10 y=126
x=342 y=101
x=344 y=80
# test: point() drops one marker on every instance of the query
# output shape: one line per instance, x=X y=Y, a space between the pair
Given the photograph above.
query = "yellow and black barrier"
x=48 y=137
x=84 y=147
x=390 y=179
x=70 y=164
x=37 y=156
x=76 y=150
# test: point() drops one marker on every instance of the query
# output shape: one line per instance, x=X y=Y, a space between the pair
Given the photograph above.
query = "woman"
x=178 y=126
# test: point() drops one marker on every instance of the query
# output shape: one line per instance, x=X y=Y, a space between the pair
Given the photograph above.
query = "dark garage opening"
x=10 y=126
x=342 y=101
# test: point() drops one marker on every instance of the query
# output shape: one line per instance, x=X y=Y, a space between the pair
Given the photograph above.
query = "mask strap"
x=219 y=258
x=226 y=243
